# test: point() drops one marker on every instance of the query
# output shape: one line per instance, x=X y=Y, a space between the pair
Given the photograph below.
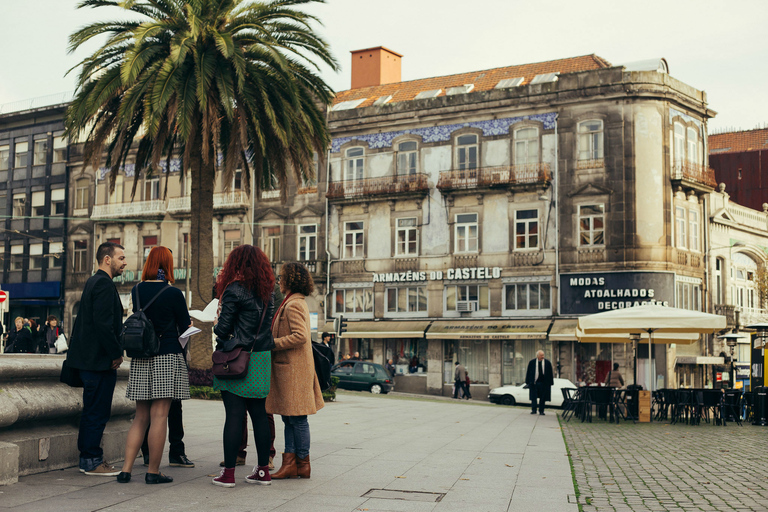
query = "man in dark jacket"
x=95 y=350
x=540 y=380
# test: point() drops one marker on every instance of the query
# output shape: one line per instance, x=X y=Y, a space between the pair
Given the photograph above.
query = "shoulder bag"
x=234 y=364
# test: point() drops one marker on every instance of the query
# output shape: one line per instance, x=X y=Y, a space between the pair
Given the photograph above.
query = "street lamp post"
x=731 y=340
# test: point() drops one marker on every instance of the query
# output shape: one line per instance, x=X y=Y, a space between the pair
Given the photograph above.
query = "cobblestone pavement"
x=663 y=467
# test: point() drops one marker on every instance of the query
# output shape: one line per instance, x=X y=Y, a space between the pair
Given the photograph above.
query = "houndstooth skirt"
x=162 y=376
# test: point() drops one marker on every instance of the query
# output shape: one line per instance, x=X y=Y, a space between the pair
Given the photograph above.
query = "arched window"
x=407 y=158
x=526 y=146
x=466 y=152
x=355 y=164
x=591 y=140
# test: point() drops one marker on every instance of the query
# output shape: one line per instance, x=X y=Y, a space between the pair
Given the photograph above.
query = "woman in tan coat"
x=294 y=389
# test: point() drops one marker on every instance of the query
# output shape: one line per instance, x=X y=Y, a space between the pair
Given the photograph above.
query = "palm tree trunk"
x=203 y=176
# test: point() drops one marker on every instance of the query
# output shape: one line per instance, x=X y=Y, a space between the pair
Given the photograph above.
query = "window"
x=526 y=146
x=38 y=204
x=149 y=243
x=473 y=355
x=679 y=143
x=184 y=256
x=3 y=205
x=527 y=297
x=693 y=228
x=117 y=194
x=55 y=254
x=80 y=255
x=19 y=206
x=591 y=140
x=680 y=227
x=152 y=188
x=81 y=194
x=466 y=232
x=356 y=300
x=307 y=242
x=406 y=237
x=689 y=296
x=40 y=150
x=35 y=256
x=466 y=152
x=17 y=257
x=237 y=180
x=355 y=164
x=745 y=289
x=114 y=241
x=466 y=298
x=5 y=154
x=353 y=239
x=407 y=300
x=59 y=147
x=406 y=158
x=20 y=151
x=591 y=225
x=526 y=229
x=57 y=201
x=693 y=154
x=270 y=242
x=719 y=282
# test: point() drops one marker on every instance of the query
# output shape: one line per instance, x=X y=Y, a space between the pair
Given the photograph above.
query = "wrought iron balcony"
x=127 y=211
x=235 y=199
x=510 y=175
x=694 y=173
x=383 y=186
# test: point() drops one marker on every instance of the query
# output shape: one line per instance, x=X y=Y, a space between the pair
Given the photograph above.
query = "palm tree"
x=221 y=83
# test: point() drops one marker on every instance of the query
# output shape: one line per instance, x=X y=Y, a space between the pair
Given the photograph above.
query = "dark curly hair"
x=249 y=266
x=296 y=278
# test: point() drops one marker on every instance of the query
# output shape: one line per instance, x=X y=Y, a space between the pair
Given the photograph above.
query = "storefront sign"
x=602 y=291
x=489 y=329
x=451 y=274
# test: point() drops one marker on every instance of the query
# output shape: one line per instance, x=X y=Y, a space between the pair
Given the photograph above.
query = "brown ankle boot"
x=302 y=467
x=287 y=469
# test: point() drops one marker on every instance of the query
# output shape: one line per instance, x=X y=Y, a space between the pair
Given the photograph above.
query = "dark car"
x=363 y=376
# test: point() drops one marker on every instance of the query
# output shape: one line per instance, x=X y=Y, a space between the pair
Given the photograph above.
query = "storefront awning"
x=489 y=329
x=385 y=329
x=699 y=360
x=564 y=329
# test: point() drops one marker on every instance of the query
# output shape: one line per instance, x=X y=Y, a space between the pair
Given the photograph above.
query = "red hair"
x=159 y=258
x=249 y=266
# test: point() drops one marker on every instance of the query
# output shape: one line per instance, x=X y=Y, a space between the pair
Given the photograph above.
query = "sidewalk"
x=376 y=453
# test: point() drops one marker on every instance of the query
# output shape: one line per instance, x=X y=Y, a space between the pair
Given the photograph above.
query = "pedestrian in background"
x=539 y=378
x=467 y=394
x=156 y=381
x=295 y=390
x=19 y=339
x=245 y=286
x=96 y=352
x=614 y=378
x=50 y=335
x=459 y=380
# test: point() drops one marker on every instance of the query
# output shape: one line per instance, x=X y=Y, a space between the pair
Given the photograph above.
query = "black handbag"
x=70 y=376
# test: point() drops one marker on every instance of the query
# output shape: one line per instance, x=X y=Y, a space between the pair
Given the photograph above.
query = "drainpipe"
x=557 y=234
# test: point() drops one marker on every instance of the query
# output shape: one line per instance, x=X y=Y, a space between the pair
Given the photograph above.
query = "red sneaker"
x=260 y=476
x=226 y=478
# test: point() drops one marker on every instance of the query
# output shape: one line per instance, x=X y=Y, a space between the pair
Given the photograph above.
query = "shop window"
x=473 y=354
x=526 y=146
x=408 y=355
x=407 y=158
x=466 y=298
x=353 y=239
x=35 y=256
x=38 y=204
x=515 y=357
x=591 y=225
x=526 y=229
x=307 y=242
x=412 y=299
x=354 y=300
x=40 y=150
x=55 y=254
x=591 y=140
x=80 y=256
x=57 y=201
x=17 y=257
x=528 y=297
x=354 y=169
x=407 y=237
x=465 y=232
x=21 y=149
x=270 y=242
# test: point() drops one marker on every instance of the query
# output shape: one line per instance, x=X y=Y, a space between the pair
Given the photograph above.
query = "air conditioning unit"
x=465 y=306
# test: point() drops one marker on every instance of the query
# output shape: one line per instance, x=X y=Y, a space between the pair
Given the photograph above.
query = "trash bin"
x=760 y=406
x=632 y=400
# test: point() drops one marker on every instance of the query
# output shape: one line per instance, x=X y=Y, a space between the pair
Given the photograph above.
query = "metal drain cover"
x=387 y=494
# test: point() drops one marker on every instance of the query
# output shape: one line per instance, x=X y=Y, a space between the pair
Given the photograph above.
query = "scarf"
x=278 y=309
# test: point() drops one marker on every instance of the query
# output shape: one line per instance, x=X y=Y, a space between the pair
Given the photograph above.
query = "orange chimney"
x=375 y=66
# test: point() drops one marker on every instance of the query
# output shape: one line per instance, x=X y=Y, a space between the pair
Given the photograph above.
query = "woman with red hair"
x=246 y=306
x=155 y=381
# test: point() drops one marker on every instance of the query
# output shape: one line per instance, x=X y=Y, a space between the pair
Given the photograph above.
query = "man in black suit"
x=95 y=350
x=540 y=380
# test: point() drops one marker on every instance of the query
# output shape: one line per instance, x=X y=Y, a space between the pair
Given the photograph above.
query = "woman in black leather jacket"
x=246 y=307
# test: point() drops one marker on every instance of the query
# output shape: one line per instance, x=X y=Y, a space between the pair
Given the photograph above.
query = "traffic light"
x=340 y=325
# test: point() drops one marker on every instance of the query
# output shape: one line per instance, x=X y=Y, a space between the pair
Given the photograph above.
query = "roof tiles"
x=737 y=142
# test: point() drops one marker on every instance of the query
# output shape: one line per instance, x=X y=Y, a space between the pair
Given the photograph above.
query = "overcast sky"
x=716 y=46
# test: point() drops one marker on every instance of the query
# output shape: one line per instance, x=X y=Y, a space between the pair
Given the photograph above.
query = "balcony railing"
x=154 y=208
x=221 y=201
x=385 y=185
x=494 y=176
x=691 y=171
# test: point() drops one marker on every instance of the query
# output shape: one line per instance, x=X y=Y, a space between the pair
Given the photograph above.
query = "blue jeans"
x=98 y=388
x=296 y=435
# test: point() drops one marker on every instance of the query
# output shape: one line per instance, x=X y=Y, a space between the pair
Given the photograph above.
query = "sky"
x=719 y=47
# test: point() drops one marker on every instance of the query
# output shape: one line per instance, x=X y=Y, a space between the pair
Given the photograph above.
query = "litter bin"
x=760 y=406
x=632 y=400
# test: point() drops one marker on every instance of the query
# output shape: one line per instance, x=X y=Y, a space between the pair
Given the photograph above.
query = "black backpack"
x=322 y=366
x=138 y=335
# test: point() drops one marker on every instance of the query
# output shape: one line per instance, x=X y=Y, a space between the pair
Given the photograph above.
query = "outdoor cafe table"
x=600 y=396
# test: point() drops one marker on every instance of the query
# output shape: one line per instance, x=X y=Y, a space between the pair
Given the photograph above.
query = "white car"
x=512 y=395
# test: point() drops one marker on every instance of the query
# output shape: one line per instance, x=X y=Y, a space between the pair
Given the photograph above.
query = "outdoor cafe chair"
x=748 y=402
x=730 y=409
x=710 y=399
x=600 y=397
x=683 y=408
x=619 y=406
x=569 y=402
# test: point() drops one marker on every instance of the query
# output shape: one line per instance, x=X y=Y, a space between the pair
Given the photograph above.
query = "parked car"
x=513 y=395
x=363 y=376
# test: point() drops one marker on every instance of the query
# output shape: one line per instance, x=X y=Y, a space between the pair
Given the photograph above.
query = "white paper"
x=206 y=315
x=184 y=337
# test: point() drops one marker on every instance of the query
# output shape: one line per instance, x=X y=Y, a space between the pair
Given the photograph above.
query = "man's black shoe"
x=542 y=413
x=533 y=412
x=157 y=478
x=182 y=461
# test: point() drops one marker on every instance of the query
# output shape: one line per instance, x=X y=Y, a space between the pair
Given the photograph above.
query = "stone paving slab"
x=480 y=457
x=664 y=467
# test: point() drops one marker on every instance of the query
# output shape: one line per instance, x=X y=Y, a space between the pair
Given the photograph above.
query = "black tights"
x=235 y=407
